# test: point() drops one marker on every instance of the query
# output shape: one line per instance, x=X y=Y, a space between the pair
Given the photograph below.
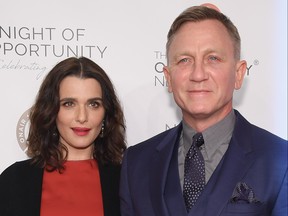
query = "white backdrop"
x=127 y=38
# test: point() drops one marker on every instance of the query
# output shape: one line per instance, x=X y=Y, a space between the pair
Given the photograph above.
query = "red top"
x=77 y=191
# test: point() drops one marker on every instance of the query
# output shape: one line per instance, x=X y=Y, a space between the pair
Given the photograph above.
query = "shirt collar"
x=214 y=136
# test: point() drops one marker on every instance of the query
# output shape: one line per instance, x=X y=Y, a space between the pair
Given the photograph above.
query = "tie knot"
x=198 y=139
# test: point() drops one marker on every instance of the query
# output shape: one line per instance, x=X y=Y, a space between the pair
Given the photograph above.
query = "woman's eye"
x=68 y=104
x=94 y=104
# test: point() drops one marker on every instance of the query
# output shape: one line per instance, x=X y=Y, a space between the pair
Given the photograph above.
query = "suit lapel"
x=232 y=168
x=165 y=189
x=110 y=177
x=32 y=187
x=173 y=191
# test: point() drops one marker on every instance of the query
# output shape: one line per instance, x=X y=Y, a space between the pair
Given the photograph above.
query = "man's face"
x=203 y=72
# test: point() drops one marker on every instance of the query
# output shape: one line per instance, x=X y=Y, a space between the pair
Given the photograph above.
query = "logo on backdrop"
x=38 y=42
x=34 y=42
x=159 y=78
x=22 y=130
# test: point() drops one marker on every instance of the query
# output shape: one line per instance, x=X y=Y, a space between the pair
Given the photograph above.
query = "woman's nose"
x=81 y=115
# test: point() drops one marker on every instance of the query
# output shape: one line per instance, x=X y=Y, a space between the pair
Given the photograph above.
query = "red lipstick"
x=80 y=131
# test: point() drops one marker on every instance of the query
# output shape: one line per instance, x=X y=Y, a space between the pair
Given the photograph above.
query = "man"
x=241 y=169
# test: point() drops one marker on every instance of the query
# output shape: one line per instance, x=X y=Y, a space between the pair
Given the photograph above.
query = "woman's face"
x=80 y=116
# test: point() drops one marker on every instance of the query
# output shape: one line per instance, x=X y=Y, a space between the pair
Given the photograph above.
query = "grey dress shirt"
x=216 y=141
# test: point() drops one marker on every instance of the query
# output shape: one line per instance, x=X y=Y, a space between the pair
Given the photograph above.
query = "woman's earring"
x=55 y=133
x=102 y=130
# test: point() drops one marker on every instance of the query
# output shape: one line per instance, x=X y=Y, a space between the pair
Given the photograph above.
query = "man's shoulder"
x=267 y=135
x=260 y=137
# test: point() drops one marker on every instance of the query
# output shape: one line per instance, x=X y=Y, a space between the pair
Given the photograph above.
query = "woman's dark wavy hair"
x=43 y=137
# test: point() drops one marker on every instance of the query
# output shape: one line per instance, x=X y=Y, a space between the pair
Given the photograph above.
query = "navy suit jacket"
x=150 y=184
x=21 y=186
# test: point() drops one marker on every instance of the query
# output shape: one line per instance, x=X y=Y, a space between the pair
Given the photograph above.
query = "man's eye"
x=213 y=58
x=184 y=60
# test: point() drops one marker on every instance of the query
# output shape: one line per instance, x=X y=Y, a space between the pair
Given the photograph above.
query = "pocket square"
x=243 y=193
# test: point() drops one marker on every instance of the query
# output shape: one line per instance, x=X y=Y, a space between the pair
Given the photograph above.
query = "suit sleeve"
x=281 y=204
x=5 y=182
x=125 y=197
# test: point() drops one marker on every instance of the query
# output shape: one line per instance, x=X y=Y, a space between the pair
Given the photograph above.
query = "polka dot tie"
x=194 y=172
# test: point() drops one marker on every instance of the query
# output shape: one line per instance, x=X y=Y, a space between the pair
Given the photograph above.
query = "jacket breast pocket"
x=245 y=209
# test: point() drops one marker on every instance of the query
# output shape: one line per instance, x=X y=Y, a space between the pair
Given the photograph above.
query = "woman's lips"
x=80 y=131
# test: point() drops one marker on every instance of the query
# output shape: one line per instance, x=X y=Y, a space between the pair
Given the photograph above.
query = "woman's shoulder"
x=20 y=168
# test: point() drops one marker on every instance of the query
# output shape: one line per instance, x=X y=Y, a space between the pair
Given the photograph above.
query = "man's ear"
x=241 y=68
x=167 y=77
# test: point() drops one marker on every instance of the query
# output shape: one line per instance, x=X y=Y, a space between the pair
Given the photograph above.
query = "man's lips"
x=81 y=131
x=199 y=91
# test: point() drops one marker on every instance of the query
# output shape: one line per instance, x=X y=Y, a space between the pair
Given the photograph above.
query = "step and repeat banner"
x=127 y=39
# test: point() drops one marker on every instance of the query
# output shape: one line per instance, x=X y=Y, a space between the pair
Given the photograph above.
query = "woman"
x=76 y=141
